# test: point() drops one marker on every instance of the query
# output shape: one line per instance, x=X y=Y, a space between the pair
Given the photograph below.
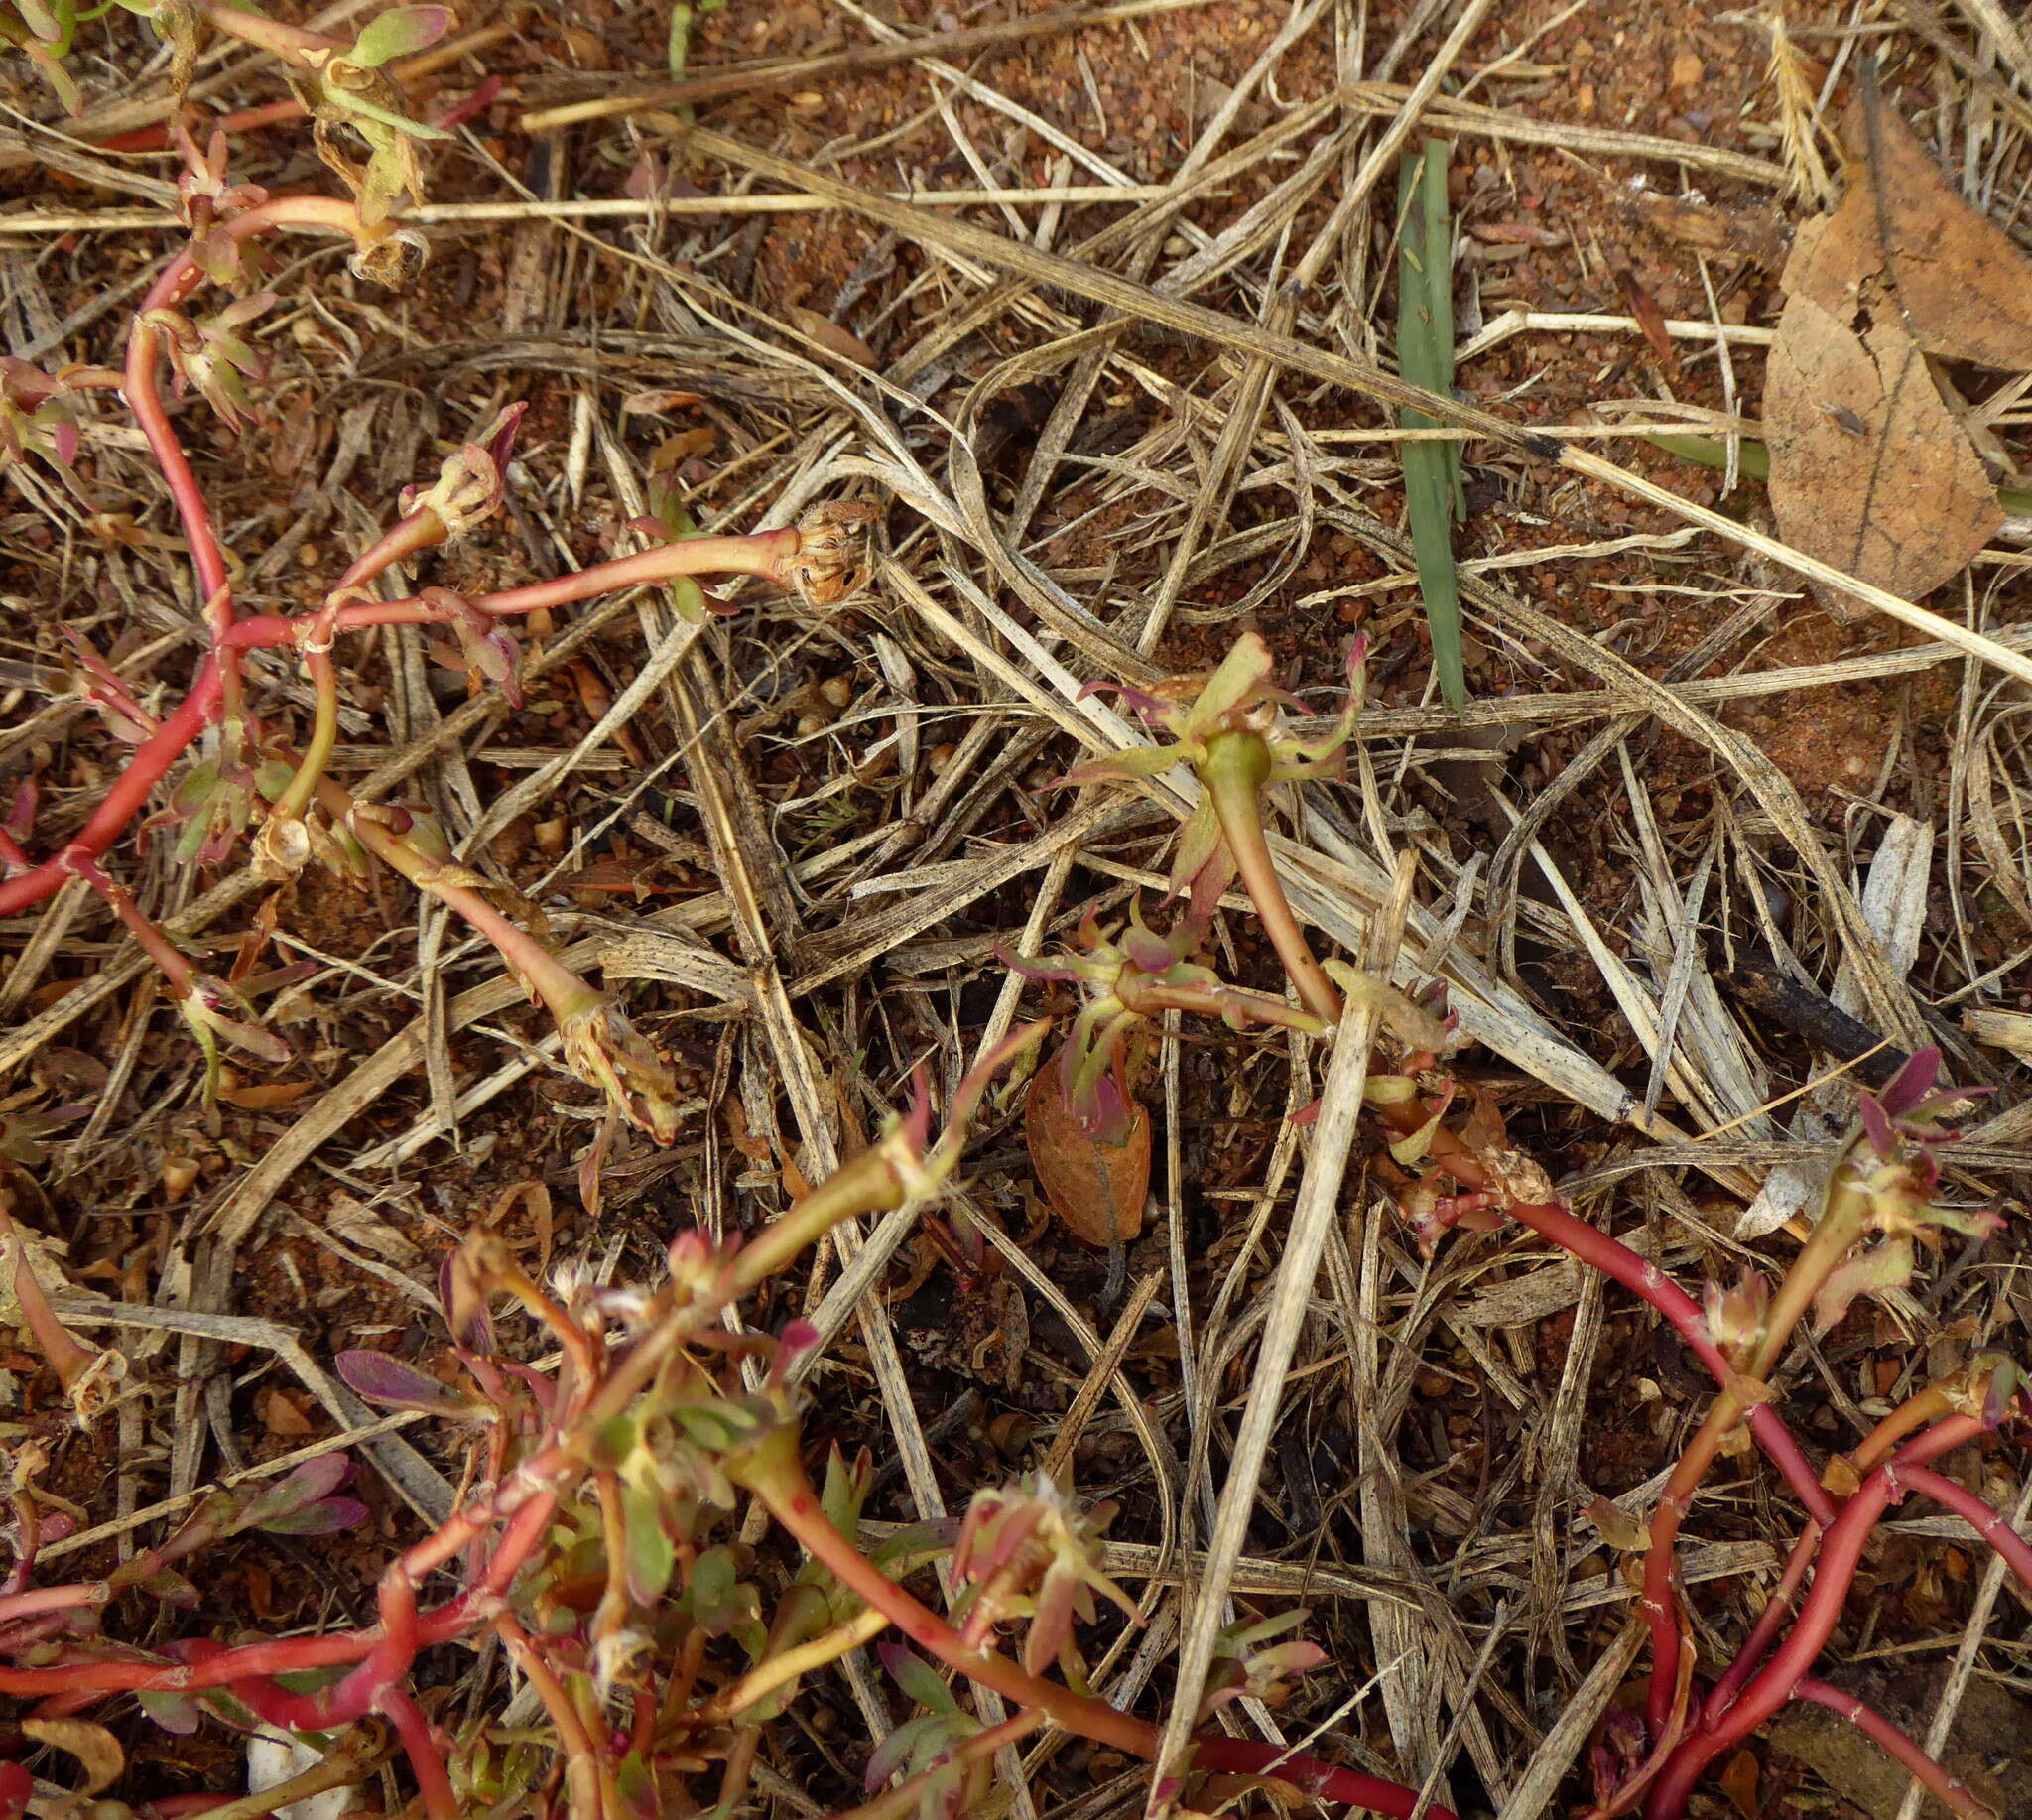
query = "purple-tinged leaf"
x=386 y=1380
x=172 y=1588
x=635 y=1784
x=1042 y=971
x=314 y=1480
x=475 y=104
x=891 y=1755
x=177 y=1713
x=798 y=1338
x=1912 y=1083
x=918 y=1678
x=2006 y=1387
x=499 y=439
x=1877 y=1126
x=1969 y=1222
x=19 y=820
x=329 y=1516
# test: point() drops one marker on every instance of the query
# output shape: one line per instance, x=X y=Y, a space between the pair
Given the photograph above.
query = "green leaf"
x=614 y=1442
x=651 y=1555
x=387 y=116
x=1242 y=672
x=720 y=1599
x=922 y=1682
x=401 y=32
x=1124 y=767
x=1433 y=493
x=845 y=1487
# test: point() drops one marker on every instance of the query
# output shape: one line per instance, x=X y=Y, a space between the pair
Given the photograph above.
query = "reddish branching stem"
x=1944 y=1787
x=1988 y=1523
x=1834 y=1572
x=1615 y=1260
x=770 y=554
x=1764 y=1632
x=777 y=1477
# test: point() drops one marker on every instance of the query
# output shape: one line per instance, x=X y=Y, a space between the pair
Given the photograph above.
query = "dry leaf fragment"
x=92 y=1744
x=1964 y=286
x=1869 y=471
x=1096 y=1188
x=262 y=1095
x=354 y=1222
x=1650 y=317
x=1739 y=1783
x=1752 y=231
x=832 y=337
x=281 y=1416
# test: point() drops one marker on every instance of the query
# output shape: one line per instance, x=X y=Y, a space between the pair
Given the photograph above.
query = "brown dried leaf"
x=1750 y=231
x=357 y=1223
x=262 y=1095
x=832 y=337
x=92 y=1744
x=1964 y=286
x=1739 y=1783
x=1650 y=317
x=1869 y=471
x=1096 y=1189
x=282 y=1417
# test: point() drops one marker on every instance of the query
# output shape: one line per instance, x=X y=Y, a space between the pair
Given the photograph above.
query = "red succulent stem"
x=1764 y=1632
x=1841 y=1554
x=764 y=554
x=1661 y=1555
x=244 y=1668
x=1922 y=1767
x=408 y=537
x=1844 y=1218
x=169 y=958
x=182 y=275
x=582 y=1769
x=45 y=1599
x=217 y=680
x=433 y=1780
x=286 y=40
x=1987 y=1523
x=774 y=1473
x=1552 y=1220
x=125 y=797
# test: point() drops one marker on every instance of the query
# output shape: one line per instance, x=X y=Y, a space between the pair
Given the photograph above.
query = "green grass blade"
x=1753 y=462
x=1433 y=492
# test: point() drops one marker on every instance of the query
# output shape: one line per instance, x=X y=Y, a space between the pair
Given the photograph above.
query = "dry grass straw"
x=822 y=965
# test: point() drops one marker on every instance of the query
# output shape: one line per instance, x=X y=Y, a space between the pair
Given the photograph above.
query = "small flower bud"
x=832 y=560
x=605 y=1051
x=281 y=850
